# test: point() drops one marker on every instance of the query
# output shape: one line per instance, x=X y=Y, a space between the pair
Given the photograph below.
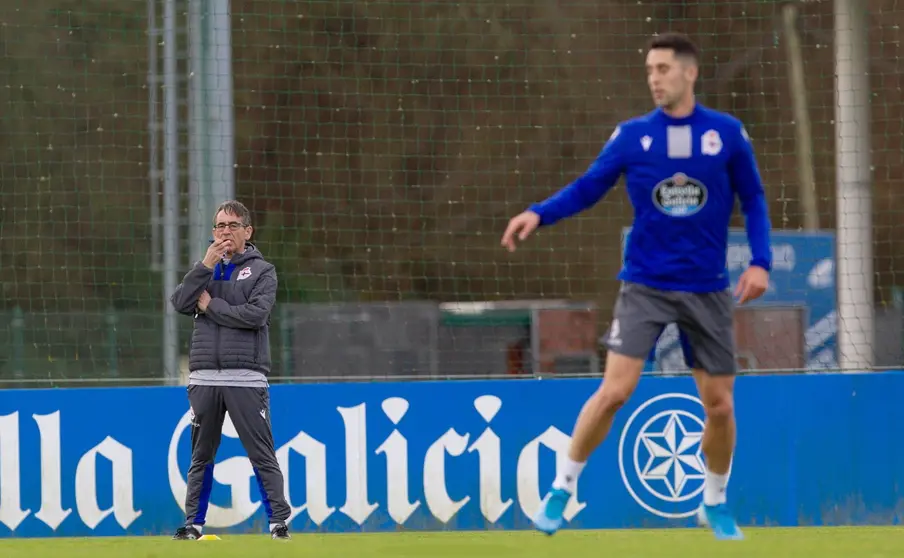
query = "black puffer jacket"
x=234 y=332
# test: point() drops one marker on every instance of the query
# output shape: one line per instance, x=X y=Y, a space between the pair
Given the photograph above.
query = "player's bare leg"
x=595 y=419
x=719 y=436
x=717 y=394
x=593 y=424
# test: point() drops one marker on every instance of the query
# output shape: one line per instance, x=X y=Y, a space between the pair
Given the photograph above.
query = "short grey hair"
x=236 y=208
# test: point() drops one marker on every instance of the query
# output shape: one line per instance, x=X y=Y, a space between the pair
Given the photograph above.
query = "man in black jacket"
x=230 y=295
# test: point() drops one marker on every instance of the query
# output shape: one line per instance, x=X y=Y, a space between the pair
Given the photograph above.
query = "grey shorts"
x=705 y=321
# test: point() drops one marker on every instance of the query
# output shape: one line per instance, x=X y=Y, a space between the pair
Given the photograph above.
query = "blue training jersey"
x=682 y=176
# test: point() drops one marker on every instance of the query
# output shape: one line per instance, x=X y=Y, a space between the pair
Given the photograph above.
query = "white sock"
x=199 y=528
x=273 y=526
x=714 y=488
x=567 y=479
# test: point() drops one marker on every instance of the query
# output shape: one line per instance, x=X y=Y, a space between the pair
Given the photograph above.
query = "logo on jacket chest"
x=680 y=195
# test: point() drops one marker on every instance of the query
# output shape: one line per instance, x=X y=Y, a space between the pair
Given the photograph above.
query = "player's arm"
x=185 y=298
x=254 y=313
x=747 y=183
x=589 y=188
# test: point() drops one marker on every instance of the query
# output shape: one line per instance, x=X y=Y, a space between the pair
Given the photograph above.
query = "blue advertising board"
x=812 y=449
x=803 y=274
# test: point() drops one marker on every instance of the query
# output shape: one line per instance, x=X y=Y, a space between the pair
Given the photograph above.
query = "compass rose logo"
x=660 y=456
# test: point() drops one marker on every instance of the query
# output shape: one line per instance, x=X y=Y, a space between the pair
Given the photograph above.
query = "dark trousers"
x=249 y=409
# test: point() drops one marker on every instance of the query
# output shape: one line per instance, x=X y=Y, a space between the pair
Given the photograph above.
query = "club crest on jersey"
x=680 y=195
x=711 y=143
x=244 y=274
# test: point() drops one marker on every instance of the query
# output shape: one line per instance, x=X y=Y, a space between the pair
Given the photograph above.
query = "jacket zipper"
x=218 y=274
x=216 y=346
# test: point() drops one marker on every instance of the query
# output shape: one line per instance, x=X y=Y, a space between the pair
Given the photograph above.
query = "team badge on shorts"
x=660 y=456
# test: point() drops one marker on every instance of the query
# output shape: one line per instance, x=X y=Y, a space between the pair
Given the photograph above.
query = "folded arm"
x=185 y=298
x=252 y=314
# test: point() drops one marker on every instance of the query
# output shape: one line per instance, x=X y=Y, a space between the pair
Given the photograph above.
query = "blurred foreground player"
x=230 y=295
x=684 y=164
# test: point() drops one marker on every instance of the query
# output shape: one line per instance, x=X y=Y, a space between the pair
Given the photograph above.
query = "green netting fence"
x=382 y=146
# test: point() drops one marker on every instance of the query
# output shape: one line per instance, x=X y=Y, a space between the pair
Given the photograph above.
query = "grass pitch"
x=840 y=542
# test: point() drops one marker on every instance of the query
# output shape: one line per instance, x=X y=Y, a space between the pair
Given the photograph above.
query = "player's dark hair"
x=677 y=42
x=233 y=207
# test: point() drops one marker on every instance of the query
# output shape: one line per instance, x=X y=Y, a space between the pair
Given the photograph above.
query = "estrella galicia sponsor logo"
x=392 y=464
x=660 y=456
x=105 y=468
x=680 y=195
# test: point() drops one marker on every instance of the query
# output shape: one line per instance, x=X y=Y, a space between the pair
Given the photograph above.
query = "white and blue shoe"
x=720 y=519
x=548 y=518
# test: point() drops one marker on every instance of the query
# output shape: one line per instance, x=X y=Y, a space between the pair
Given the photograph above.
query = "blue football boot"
x=720 y=519
x=548 y=518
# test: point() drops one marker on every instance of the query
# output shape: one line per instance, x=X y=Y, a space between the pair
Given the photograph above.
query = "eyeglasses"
x=233 y=226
